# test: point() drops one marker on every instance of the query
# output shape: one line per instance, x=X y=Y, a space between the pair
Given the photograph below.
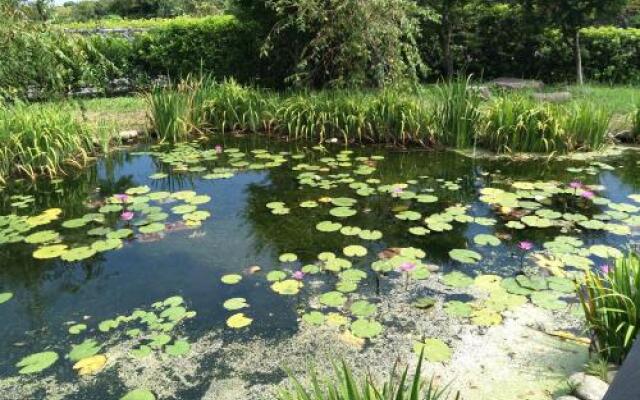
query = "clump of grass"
x=344 y=386
x=635 y=122
x=515 y=123
x=457 y=113
x=43 y=140
x=611 y=302
x=169 y=114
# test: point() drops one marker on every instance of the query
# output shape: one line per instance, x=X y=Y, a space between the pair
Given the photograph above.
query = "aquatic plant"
x=611 y=303
x=44 y=140
x=345 y=386
x=457 y=113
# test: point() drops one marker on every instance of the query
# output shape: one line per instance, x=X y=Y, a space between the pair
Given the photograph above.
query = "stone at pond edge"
x=567 y=398
x=588 y=387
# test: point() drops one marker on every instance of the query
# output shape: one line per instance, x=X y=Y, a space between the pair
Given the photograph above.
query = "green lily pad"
x=238 y=321
x=457 y=308
x=274 y=276
x=231 y=279
x=363 y=308
x=85 y=349
x=486 y=240
x=457 y=279
x=367 y=234
x=465 y=256
x=342 y=212
x=424 y=302
x=78 y=254
x=235 y=303
x=486 y=317
x=328 y=226
x=548 y=300
x=37 y=362
x=152 y=228
x=47 y=236
x=332 y=299
x=287 y=287
x=366 y=328
x=355 y=250
x=288 y=257
x=77 y=329
x=178 y=348
x=5 y=296
x=313 y=318
x=139 y=394
x=433 y=350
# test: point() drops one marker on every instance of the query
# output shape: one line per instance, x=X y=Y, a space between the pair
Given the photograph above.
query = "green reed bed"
x=454 y=116
x=515 y=123
x=635 y=121
x=611 y=302
x=43 y=140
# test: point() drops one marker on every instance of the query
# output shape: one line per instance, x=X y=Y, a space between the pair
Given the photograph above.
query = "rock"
x=625 y=136
x=128 y=135
x=567 y=398
x=515 y=83
x=611 y=375
x=588 y=387
x=553 y=97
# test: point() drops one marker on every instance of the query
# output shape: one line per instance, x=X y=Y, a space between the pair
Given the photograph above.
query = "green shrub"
x=611 y=302
x=220 y=46
x=344 y=386
x=519 y=124
x=612 y=54
x=43 y=140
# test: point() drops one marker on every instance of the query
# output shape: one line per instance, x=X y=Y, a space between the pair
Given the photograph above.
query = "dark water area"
x=242 y=232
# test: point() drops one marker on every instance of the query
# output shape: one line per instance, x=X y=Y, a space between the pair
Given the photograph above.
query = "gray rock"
x=515 y=83
x=553 y=97
x=611 y=375
x=567 y=398
x=588 y=387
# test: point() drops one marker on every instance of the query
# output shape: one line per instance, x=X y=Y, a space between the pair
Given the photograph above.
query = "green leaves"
x=457 y=279
x=365 y=328
x=37 y=362
x=85 y=349
x=6 y=296
x=465 y=256
x=434 y=350
x=139 y=394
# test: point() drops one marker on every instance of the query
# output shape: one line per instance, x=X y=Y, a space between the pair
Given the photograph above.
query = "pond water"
x=245 y=224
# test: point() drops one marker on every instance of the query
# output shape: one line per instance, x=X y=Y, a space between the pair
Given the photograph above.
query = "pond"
x=196 y=266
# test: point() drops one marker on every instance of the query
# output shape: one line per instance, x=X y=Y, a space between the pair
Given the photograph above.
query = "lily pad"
x=457 y=308
x=235 y=303
x=5 y=296
x=37 y=362
x=238 y=321
x=139 y=394
x=85 y=349
x=457 y=279
x=313 y=318
x=355 y=250
x=231 y=279
x=363 y=308
x=332 y=299
x=465 y=256
x=433 y=350
x=178 y=348
x=366 y=328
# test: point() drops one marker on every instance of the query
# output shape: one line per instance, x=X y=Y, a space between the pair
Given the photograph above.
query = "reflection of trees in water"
x=295 y=232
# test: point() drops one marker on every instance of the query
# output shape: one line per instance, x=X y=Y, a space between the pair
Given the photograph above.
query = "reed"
x=457 y=113
x=635 y=123
x=44 y=140
x=611 y=303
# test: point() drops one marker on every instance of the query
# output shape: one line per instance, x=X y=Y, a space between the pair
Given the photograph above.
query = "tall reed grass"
x=611 y=303
x=514 y=123
x=635 y=123
x=344 y=386
x=43 y=140
x=454 y=117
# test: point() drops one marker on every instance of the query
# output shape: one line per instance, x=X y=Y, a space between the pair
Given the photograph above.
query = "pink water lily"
x=606 y=268
x=123 y=198
x=587 y=194
x=127 y=215
x=575 y=185
x=298 y=275
x=407 y=267
x=218 y=149
x=525 y=245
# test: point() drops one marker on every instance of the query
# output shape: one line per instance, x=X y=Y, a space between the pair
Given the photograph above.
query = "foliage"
x=611 y=302
x=220 y=45
x=37 y=140
x=635 y=116
x=344 y=386
x=518 y=124
x=352 y=42
x=457 y=113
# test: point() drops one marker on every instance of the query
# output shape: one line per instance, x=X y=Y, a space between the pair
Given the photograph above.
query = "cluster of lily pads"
x=152 y=330
x=138 y=213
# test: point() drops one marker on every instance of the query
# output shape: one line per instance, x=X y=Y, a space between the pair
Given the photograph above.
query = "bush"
x=344 y=386
x=611 y=303
x=612 y=54
x=220 y=46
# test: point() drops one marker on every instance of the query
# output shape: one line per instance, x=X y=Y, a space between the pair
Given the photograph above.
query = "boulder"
x=128 y=135
x=588 y=387
x=553 y=97
x=567 y=398
x=515 y=83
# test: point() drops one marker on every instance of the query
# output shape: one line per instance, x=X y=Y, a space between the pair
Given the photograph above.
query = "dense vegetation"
x=453 y=115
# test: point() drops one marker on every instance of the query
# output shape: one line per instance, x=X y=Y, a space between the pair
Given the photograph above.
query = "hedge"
x=612 y=54
x=221 y=46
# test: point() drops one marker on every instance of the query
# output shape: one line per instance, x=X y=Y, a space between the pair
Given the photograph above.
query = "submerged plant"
x=611 y=302
x=344 y=386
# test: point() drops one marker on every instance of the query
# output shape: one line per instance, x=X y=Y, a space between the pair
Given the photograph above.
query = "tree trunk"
x=446 y=38
x=578 y=57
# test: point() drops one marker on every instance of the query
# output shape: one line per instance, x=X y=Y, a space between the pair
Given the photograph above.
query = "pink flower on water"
x=407 y=267
x=525 y=245
x=218 y=149
x=127 y=215
x=587 y=194
x=605 y=268
x=298 y=275
x=575 y=185
x=121 y=197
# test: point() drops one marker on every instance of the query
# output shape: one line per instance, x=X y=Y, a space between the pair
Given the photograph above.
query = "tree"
x=351 y=42
x=450 y=13
x=572 y=15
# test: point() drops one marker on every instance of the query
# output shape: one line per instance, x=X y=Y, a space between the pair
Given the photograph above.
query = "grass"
x=611 y=302
x=43 y=140
x=344 y=386
x=635 y=122
x=115 y=23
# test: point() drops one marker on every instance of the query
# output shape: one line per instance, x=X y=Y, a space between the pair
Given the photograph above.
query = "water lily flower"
x=298 y=275
x=525 y=245
x=127 y=215
x=575 y=185
x=121 y=197
x=606 y=268
x=587 y=194
x=218 y=149
x=407 y=267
